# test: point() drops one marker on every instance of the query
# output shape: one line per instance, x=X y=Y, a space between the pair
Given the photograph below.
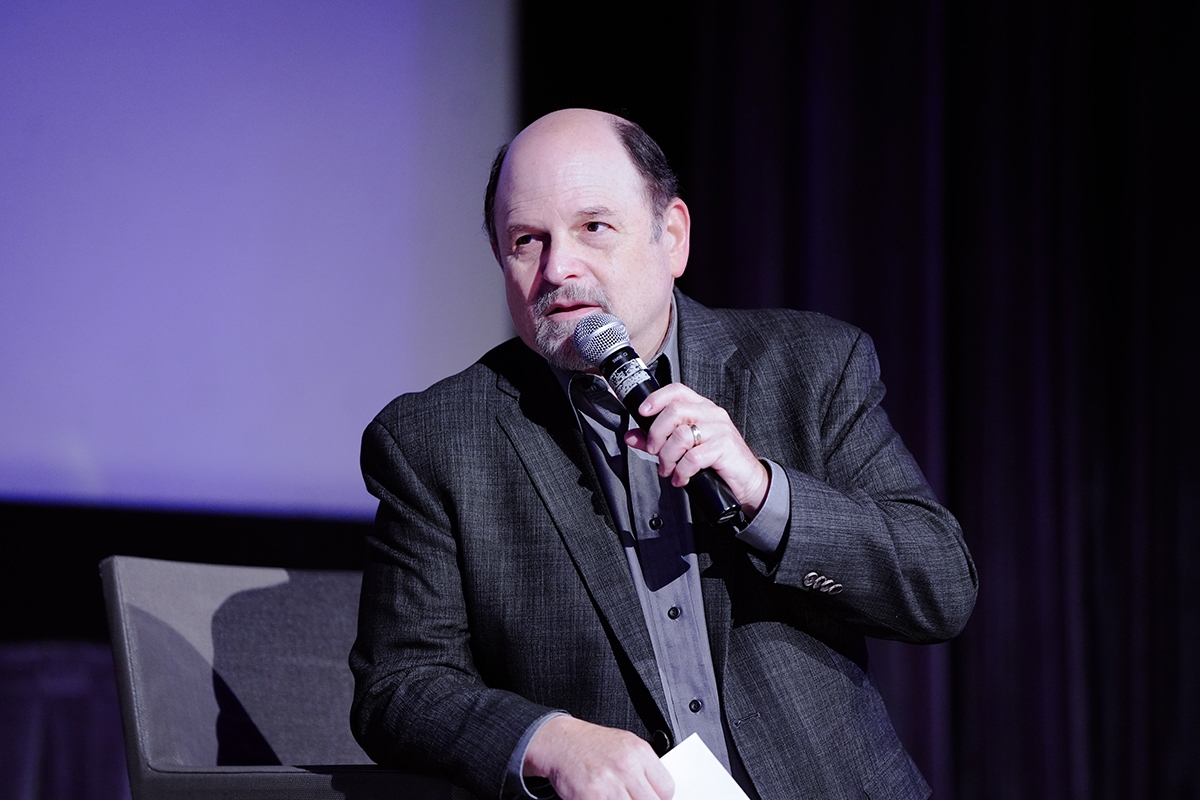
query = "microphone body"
x=603 y=342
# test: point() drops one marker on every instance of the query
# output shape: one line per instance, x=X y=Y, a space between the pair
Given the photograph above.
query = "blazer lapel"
x=709 y=364
x=709 y=360
x=543 y=431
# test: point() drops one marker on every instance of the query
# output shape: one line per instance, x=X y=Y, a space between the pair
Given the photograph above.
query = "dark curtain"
x=1001 y=194
x=1071 y=372
x=60 y=723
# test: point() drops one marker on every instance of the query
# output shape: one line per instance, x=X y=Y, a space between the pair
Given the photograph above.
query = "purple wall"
x=230 y=233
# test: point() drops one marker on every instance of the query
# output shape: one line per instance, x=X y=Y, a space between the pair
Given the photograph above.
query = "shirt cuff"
x=515 y=784
x=765 y=533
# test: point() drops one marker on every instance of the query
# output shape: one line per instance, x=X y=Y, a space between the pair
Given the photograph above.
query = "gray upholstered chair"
x=234 y=684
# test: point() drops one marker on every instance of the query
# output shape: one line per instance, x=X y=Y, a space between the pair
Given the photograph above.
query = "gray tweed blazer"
x=497 y=588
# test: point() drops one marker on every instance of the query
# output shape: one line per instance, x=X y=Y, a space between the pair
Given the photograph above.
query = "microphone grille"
x=597 y=336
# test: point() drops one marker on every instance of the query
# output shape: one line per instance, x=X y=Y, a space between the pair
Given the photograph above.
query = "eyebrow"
x=513 y=230
x=591 y=212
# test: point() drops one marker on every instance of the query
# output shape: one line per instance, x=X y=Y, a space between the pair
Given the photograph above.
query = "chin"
x=568 y=361
x=556 y=344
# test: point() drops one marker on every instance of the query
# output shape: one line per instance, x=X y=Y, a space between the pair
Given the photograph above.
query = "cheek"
x=518 y=306
x=519 y=278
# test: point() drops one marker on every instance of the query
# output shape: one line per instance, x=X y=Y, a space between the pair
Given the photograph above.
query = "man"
x=541 y=602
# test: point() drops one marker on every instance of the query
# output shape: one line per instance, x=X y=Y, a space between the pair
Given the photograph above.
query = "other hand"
x=584 y=761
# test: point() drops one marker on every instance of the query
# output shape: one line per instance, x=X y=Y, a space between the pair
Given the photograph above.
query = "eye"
x=595 y=226
x=526 y=246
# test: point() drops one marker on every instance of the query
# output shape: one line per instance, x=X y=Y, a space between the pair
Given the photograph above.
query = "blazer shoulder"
x=464 y=412
x=440 y=432
x=466 y=394
x=806 y=337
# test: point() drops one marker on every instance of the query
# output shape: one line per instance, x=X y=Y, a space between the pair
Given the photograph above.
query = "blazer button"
x=661 y=742
x=695 y=706
x=656 y=522
x=673 y=612
x=810 y=579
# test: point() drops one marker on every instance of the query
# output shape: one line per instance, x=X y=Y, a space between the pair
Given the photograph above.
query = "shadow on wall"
x=277 y=689
x=303 y=628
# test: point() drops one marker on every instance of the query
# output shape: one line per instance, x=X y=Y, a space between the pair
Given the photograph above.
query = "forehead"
x=568 y=171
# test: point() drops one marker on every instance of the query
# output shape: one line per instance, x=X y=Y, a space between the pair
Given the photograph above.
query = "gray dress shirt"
x=654 y=521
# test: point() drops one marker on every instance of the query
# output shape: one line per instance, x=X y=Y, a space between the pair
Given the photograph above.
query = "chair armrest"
x=336 y=782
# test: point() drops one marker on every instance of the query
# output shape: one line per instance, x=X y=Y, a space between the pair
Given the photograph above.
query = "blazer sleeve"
x=419 y=702
x=867 y=539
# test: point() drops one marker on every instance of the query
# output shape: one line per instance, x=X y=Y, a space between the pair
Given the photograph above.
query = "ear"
x=677 y=234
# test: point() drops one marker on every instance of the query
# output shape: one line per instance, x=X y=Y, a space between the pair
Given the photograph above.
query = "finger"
x=682 y=412
x=677 y=447
x=660 y=780
x=695 y=459
x=653 y=781
x=665 y=396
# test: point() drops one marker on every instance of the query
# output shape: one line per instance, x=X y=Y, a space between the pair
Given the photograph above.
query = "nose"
x=561 y=261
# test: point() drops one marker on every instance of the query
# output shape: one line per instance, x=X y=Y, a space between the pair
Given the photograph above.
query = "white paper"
x=698 y=774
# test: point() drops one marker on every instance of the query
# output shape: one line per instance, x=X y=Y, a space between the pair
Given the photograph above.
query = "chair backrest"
x=221 y=667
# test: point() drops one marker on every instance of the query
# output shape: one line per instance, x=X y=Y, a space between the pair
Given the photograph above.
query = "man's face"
x=576 y=235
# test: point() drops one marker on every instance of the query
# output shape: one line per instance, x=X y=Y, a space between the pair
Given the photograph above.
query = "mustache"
x=570 y=293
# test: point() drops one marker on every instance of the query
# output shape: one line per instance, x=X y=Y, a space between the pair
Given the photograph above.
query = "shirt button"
x=655 y=522
x=673 y=612
x=695 y=706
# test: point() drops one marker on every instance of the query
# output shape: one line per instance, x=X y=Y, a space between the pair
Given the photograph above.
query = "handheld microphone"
x=603 y=342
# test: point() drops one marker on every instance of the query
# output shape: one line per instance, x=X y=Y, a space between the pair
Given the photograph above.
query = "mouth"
x=562 y=307
x=571 y=310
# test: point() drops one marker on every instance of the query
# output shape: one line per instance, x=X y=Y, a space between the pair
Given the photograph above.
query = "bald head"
x=580 y=125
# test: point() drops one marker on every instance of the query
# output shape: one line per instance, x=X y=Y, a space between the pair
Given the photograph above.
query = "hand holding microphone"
x=603 y=342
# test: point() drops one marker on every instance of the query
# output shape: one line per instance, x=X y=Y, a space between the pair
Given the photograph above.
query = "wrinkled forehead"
x=570 y=164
